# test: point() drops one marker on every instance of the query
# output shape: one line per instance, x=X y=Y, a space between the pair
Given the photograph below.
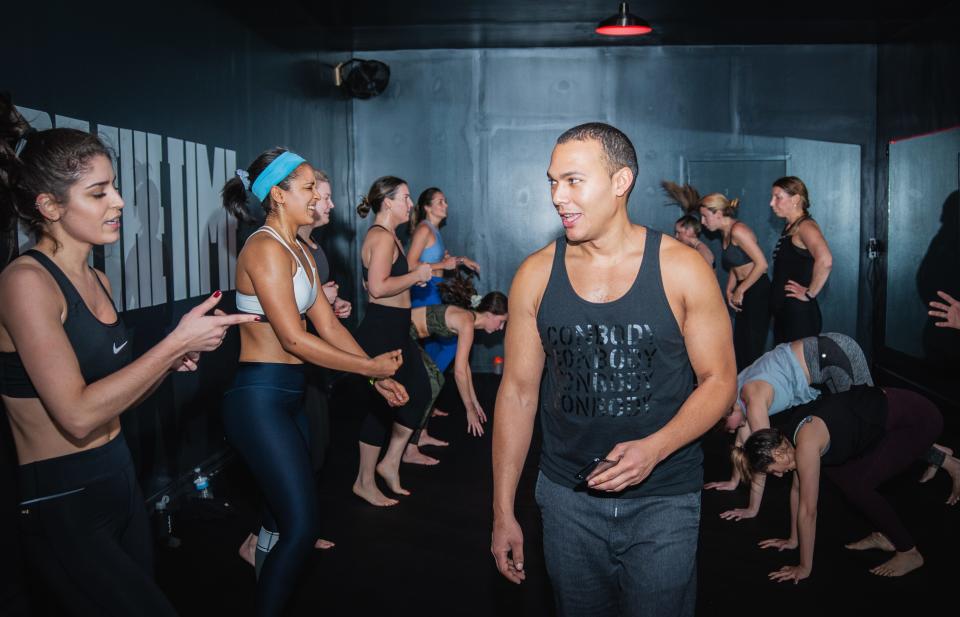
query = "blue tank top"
x=615 y=372
x=433 y=254
x=781 y=369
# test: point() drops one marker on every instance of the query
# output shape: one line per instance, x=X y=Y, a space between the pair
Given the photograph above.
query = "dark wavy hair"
x=51 y=162
x=459 y=290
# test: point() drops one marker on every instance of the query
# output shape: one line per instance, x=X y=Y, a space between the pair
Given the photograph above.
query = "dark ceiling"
x=419 y=24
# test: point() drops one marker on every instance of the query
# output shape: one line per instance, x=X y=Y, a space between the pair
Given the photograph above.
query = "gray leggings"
x=836 y=361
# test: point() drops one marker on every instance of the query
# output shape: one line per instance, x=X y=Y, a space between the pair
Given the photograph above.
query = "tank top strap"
x=395 y=241
x=70 y=292
x=650 y=265
x=788 y=229
x=558 y=271
x=306 y=250
x=276 y=236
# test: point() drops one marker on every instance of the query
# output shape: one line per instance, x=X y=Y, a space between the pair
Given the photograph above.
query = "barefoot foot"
x=876 y=540
x=372 y=495
x=248 y=549
x=429 y=440
x=438 y=413
x=412 y=454
x=392 y=478
x=899 y=564
x=323 y=544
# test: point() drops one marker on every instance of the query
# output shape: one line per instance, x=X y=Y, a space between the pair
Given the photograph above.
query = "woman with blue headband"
x=263 y=410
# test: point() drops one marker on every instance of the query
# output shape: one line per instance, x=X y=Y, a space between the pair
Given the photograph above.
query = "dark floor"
x=430 y=554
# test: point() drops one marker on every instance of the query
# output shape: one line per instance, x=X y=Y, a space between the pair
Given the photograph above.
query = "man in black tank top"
x=626 y=322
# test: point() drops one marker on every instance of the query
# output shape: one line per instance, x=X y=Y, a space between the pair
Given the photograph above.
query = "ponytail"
x=685 y=196
x=363 y=208
x=738 y=458
x=235 y=194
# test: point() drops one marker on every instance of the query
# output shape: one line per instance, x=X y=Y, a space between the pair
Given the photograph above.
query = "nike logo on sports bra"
x=116 y=349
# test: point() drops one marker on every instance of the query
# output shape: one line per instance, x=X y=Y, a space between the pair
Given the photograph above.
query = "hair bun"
x=363 y=208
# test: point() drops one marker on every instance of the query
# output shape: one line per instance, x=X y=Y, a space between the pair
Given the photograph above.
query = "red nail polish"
x=217 y=294
x=257 y=318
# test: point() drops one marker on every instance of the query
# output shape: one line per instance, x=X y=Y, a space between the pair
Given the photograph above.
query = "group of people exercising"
x=68 y=371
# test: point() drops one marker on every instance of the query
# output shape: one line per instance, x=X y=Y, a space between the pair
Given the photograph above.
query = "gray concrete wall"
x=481 y=124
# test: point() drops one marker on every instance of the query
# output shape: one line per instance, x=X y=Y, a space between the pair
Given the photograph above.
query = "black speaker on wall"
x=362 y=79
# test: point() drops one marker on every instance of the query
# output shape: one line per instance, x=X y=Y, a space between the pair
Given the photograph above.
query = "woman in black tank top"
x=68 y=374
x=386 y=325
x=748 y=288
x=862 y=438
x=801 y=264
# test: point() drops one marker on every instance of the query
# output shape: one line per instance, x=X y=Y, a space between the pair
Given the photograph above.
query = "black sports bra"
x=399 y=267
x=101 y=349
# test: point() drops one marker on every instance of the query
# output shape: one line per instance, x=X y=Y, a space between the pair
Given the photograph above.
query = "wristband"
x=806 y=292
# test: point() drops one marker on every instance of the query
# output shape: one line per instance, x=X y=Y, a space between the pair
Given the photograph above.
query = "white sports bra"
x=304 y=287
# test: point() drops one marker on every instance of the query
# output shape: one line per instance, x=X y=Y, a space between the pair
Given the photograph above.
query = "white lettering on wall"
x=199 y=227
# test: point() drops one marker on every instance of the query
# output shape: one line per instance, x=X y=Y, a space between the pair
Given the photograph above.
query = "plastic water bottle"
x=498 y=366
x=202 y=483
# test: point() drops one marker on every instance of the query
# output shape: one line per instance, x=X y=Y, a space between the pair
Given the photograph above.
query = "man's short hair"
x=618 y=151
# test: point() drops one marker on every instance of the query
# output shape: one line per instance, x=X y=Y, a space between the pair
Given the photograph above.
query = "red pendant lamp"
x=624 y=23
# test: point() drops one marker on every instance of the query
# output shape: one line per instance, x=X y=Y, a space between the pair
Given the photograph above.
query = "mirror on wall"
x=923 y=244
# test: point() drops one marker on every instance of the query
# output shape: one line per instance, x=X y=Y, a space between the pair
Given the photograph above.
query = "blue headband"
x=275 y=173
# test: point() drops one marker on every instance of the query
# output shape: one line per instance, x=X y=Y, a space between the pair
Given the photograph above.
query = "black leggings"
x=85 y=533
x=750 y=325
x=385 y=328
x=795 y=319
x=263 y=419
x=913 y=424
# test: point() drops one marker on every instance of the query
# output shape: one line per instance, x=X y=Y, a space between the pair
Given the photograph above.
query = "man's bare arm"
x=516 y=410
